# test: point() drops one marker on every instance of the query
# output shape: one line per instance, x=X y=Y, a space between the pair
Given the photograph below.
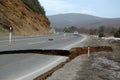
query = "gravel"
x=99 y=66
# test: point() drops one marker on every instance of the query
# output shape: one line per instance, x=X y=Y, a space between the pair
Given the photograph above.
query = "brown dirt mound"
x=83 y=50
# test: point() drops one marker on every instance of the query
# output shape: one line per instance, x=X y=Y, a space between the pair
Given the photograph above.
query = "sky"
x=101 y=8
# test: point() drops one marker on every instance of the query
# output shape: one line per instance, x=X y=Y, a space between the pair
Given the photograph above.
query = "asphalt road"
x=29 y=66
x=26 y=66
x=40 y=42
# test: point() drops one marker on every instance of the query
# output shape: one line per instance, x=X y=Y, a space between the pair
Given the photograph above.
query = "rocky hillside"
x=22 y=18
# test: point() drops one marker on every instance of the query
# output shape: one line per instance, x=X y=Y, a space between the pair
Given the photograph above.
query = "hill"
x=82 y=20
x=24 y=19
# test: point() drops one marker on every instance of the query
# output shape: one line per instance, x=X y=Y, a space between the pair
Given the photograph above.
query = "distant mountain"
x=82 y=20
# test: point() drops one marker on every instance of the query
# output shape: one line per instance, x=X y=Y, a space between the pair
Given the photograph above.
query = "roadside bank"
x=99 y=66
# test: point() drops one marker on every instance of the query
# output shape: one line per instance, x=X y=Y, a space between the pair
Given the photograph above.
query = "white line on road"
x=70 y=46
x=41 y=69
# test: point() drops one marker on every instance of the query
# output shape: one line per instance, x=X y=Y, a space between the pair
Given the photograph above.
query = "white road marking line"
x=69 y=46
x=41 y=69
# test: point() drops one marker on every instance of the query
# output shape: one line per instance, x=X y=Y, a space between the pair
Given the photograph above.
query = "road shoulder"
x=99 y=66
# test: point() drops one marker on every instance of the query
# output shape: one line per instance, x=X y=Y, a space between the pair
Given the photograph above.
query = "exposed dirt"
x=23 y=20
x=71 y=53
x=74 y=52
x=99 y=66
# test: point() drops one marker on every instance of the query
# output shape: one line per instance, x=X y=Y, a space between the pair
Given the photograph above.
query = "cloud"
x=57 y=6
x=64 y=6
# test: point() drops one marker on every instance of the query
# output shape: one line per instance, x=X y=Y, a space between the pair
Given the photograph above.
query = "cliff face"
x=23 y=20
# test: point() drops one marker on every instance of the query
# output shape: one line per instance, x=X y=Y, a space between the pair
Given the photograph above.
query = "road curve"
x=29 y=66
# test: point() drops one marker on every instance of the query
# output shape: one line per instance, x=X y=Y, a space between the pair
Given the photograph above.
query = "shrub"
x=117 y=33
x=35 y=6
x=101 y=35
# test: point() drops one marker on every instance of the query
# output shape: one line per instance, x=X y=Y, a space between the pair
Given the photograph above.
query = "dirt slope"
x=23 y=20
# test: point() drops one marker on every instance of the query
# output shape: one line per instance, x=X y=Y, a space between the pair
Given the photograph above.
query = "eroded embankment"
x=83 y=50
x=74 y=52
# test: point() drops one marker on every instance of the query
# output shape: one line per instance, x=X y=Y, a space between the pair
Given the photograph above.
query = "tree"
x=117 y=33
x=66 y=29
x=73 y=28
x=35 y=6
x=101 y=35
x=101 y=31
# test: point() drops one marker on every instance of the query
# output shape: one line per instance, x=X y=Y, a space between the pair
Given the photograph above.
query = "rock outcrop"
x=23 y=20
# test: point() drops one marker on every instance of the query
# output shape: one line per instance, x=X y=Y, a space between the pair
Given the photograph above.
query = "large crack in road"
x=71 y=54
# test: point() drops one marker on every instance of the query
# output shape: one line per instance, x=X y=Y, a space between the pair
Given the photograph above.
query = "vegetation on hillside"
x=35 y=6
x=101 y=31
x=117 y=33
x=70 y=29
x=4 y=25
